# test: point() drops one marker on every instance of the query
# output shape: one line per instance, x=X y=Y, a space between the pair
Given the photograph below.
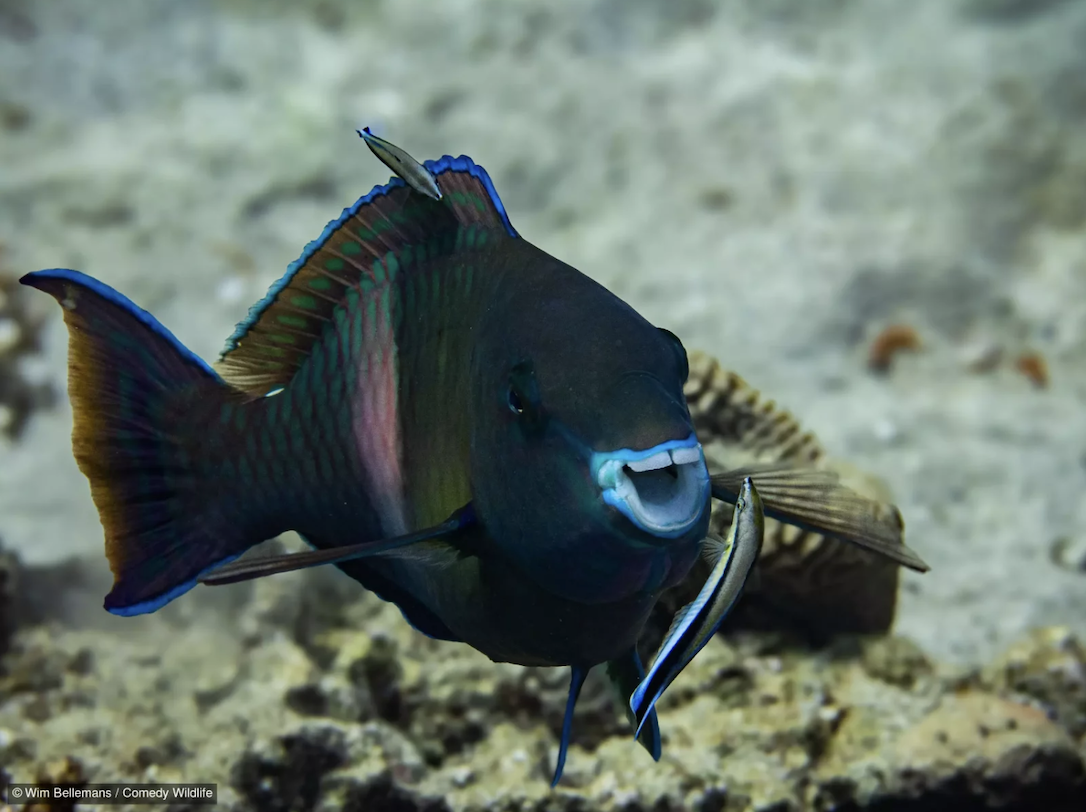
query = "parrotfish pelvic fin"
x=576 y=682
x=626 y=673
x=697 y=622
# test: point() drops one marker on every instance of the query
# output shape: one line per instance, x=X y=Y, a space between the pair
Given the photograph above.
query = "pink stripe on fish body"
x=375 y=422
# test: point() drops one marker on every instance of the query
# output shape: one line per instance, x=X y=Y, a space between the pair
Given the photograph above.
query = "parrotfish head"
x=586 y=469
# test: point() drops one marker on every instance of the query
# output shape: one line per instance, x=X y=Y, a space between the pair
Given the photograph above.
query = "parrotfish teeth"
x=661 y=459
x=663 y=490
x=686 y=456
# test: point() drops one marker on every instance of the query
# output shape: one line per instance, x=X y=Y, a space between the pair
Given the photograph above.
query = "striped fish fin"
x=359 y=254
x=826 y=584
x=816 y=500
x=728 y=410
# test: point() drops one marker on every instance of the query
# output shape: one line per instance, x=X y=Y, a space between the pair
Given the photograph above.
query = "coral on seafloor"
x=322 y=698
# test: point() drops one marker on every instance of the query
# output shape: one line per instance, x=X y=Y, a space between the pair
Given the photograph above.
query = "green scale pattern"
x=292 y=457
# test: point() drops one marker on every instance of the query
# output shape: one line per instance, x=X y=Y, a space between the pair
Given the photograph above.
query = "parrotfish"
x=472 y=429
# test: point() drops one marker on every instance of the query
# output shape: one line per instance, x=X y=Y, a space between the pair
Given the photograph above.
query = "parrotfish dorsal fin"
x=382 y=235
x=469 y=193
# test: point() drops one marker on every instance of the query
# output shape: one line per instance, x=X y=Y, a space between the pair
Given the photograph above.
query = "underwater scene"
x=514 y=406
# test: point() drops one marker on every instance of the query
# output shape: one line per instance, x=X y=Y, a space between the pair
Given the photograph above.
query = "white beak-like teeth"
x=661 y=459
x=685 y=456
x=665 y=492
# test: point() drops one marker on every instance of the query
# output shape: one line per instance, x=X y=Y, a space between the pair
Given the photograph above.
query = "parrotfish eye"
x=684 y=363
x=523 y=396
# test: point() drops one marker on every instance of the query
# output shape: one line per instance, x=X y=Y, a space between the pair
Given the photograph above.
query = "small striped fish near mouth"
x=696 y=623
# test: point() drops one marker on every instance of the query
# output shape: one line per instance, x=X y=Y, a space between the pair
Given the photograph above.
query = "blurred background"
x=874 y=212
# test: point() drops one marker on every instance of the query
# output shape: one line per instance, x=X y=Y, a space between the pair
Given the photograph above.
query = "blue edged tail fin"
x=131 y=383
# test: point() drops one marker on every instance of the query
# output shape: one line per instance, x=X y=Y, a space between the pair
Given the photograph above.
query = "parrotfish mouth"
x=663 y=490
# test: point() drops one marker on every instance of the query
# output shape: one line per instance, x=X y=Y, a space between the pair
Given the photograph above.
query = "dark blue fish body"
x=529 y=593
x=472 y=429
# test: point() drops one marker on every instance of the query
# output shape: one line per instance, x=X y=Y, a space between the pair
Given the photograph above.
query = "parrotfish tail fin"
x=576 y=682
x=626 y=673
x=129 y=380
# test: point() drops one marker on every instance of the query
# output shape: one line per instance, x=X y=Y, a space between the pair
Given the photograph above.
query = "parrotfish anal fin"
x=626 y=673
x=815 y=500
x=247 y=570
x=576 y=682
x=385 y=234
x=697 y=622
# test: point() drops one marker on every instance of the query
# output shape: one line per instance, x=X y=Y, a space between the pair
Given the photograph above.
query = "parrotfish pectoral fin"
x=697 y=622
x=626 y=673
x=290 y=562
x=576 y=682
x=815 y=500
x=129 y=381
x=416 y=175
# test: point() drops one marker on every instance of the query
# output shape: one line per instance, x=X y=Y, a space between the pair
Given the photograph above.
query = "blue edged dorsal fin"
x=360 y=254
x=576 y=682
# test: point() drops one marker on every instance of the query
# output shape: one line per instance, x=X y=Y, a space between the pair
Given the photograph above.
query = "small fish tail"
x=131 y=383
